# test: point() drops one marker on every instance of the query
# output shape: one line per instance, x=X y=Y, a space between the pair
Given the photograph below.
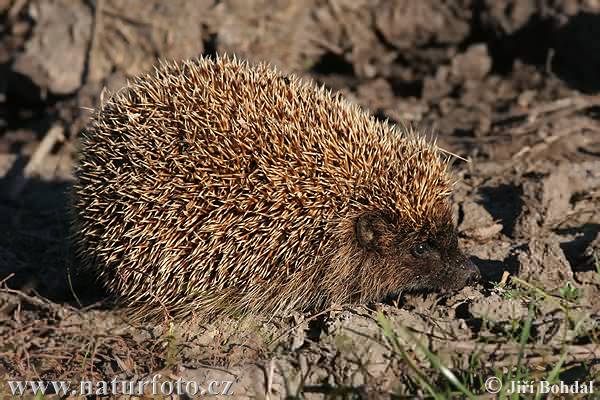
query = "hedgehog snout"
x=473 y=274
x=470 y=272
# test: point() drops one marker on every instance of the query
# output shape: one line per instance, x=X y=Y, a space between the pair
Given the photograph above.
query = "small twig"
x=72 y=289
x=321 y=41
x=93 y=44
x=54 y=135
x=270 y=378
x=37 y=301
x=454 y=155
x=544 y=144
x=97 y=343
x=6 y=278
x=567 y=103
x=549 y=59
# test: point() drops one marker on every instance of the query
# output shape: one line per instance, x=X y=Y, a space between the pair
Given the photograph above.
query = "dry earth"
x=510 y=86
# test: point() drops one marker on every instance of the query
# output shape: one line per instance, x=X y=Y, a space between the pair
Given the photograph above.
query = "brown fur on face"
x=388 y=258
x=380 y=255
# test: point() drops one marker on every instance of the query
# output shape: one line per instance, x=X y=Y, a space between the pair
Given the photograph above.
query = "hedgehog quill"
x=215 y=187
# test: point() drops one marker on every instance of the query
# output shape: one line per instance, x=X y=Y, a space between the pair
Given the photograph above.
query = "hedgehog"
x=218 y=187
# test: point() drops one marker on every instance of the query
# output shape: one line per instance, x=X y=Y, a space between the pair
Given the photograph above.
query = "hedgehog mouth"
x=396 y=294
x=440 y=289
x=392 y=297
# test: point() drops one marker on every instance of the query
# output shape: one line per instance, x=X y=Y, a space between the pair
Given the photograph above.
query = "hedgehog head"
x=402 y=234
x=427 y=258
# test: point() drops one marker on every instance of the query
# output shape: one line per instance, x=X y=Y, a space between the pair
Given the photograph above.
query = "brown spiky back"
x=216 y=186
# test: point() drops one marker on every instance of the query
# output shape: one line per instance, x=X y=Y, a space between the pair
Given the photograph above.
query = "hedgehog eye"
x=420 y=250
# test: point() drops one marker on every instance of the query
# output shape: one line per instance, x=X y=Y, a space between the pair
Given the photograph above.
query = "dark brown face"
x=429 y=259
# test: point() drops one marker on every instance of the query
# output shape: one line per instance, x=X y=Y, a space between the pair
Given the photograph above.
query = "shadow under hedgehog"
x=215 y=187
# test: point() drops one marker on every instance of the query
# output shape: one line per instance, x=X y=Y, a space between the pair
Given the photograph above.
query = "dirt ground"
x=509 y=86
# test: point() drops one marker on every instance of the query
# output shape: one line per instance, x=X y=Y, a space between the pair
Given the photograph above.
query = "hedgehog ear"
x=368 y=229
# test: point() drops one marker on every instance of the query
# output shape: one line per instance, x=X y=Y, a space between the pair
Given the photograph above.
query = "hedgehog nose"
x=473 y=274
